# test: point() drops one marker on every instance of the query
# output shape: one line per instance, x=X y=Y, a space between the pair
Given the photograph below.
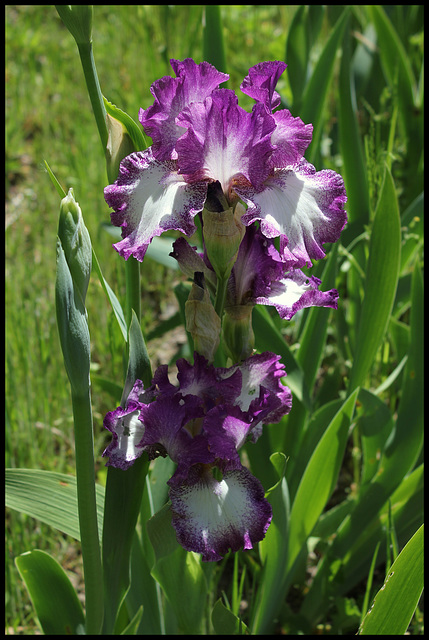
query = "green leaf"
x=213 y=46
x=315 y=95
x=131 y=628
x=122 y=504
x=55 y=182
x=139 y=367
x=116 y=305
x=179 y=573
x=354 y=169
x=50 y=497
x=395 y=603
x=394 y=58
x=225 y=622
x=321 y=472
x=297 y=54
x=336 y=577
x=273 y=549
x=52 y=594
x=380 y=282
x=269 y=338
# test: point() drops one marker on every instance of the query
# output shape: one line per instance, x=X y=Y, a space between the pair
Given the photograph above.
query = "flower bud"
x=72 y=326
x=202 y=321
x=238 y=336
x=78 y=20
x=119 y=145
x=223 y=233
x=75 y=242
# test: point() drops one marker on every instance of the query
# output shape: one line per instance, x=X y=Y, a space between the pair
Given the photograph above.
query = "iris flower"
x=259 y=276
x=200 y=135
x=201 y=423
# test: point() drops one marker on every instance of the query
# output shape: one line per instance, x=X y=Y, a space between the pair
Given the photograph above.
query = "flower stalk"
x=74 y=258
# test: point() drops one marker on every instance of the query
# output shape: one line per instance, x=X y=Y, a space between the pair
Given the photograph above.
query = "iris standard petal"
x=224 y=142
x=211 y=516
x=302 y=206
x=148 y=198
x=261 y=81
x=291 y=138
x=194 y=82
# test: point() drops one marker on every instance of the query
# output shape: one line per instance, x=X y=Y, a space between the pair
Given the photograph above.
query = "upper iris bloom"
x=200 y=135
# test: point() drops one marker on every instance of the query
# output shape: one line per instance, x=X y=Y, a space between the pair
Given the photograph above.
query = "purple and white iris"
x=201 y=135
x=206 y=150
x=201 y=423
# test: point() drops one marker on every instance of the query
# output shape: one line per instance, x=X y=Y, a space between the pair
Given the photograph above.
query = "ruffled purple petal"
x=262 y=394
x=223 y=142
x=301 y=206
x=291 y=138
x=194 y=82
x=210 y=385
x=226 y=429
x=163 y=420
x=258 y=265
x=211 y=517
x=148 y=198
x=261 y=81
x=297 y=291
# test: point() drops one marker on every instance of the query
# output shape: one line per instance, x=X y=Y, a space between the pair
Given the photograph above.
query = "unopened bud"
x=238 y=336
x=78 y=20
x=223 y=233
x=119 y=145
x=202 y=321
x=75 y=242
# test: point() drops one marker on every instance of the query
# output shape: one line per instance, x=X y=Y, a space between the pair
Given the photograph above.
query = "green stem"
x=94 y=91
x=85 y=477
x=132 y=296
x=221 y=295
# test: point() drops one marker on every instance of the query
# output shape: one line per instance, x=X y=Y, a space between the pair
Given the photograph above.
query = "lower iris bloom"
x=201 y=423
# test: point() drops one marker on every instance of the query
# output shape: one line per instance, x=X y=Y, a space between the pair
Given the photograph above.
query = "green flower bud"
x=75 y=242
x=238 y=336
x=72 y=326
x=223 y=233
x=78 y=20
x=74 y=260
x=202 y=321
x=119 y=145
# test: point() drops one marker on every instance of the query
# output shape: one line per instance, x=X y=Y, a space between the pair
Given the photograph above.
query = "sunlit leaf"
x=53 y=596
x=50 y=497
x=395 y=603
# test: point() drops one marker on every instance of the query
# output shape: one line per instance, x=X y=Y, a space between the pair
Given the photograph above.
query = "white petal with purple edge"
x=127 y=433
x=148 y=198
x=297 y=291
x=211 y=517
x=301 y=206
